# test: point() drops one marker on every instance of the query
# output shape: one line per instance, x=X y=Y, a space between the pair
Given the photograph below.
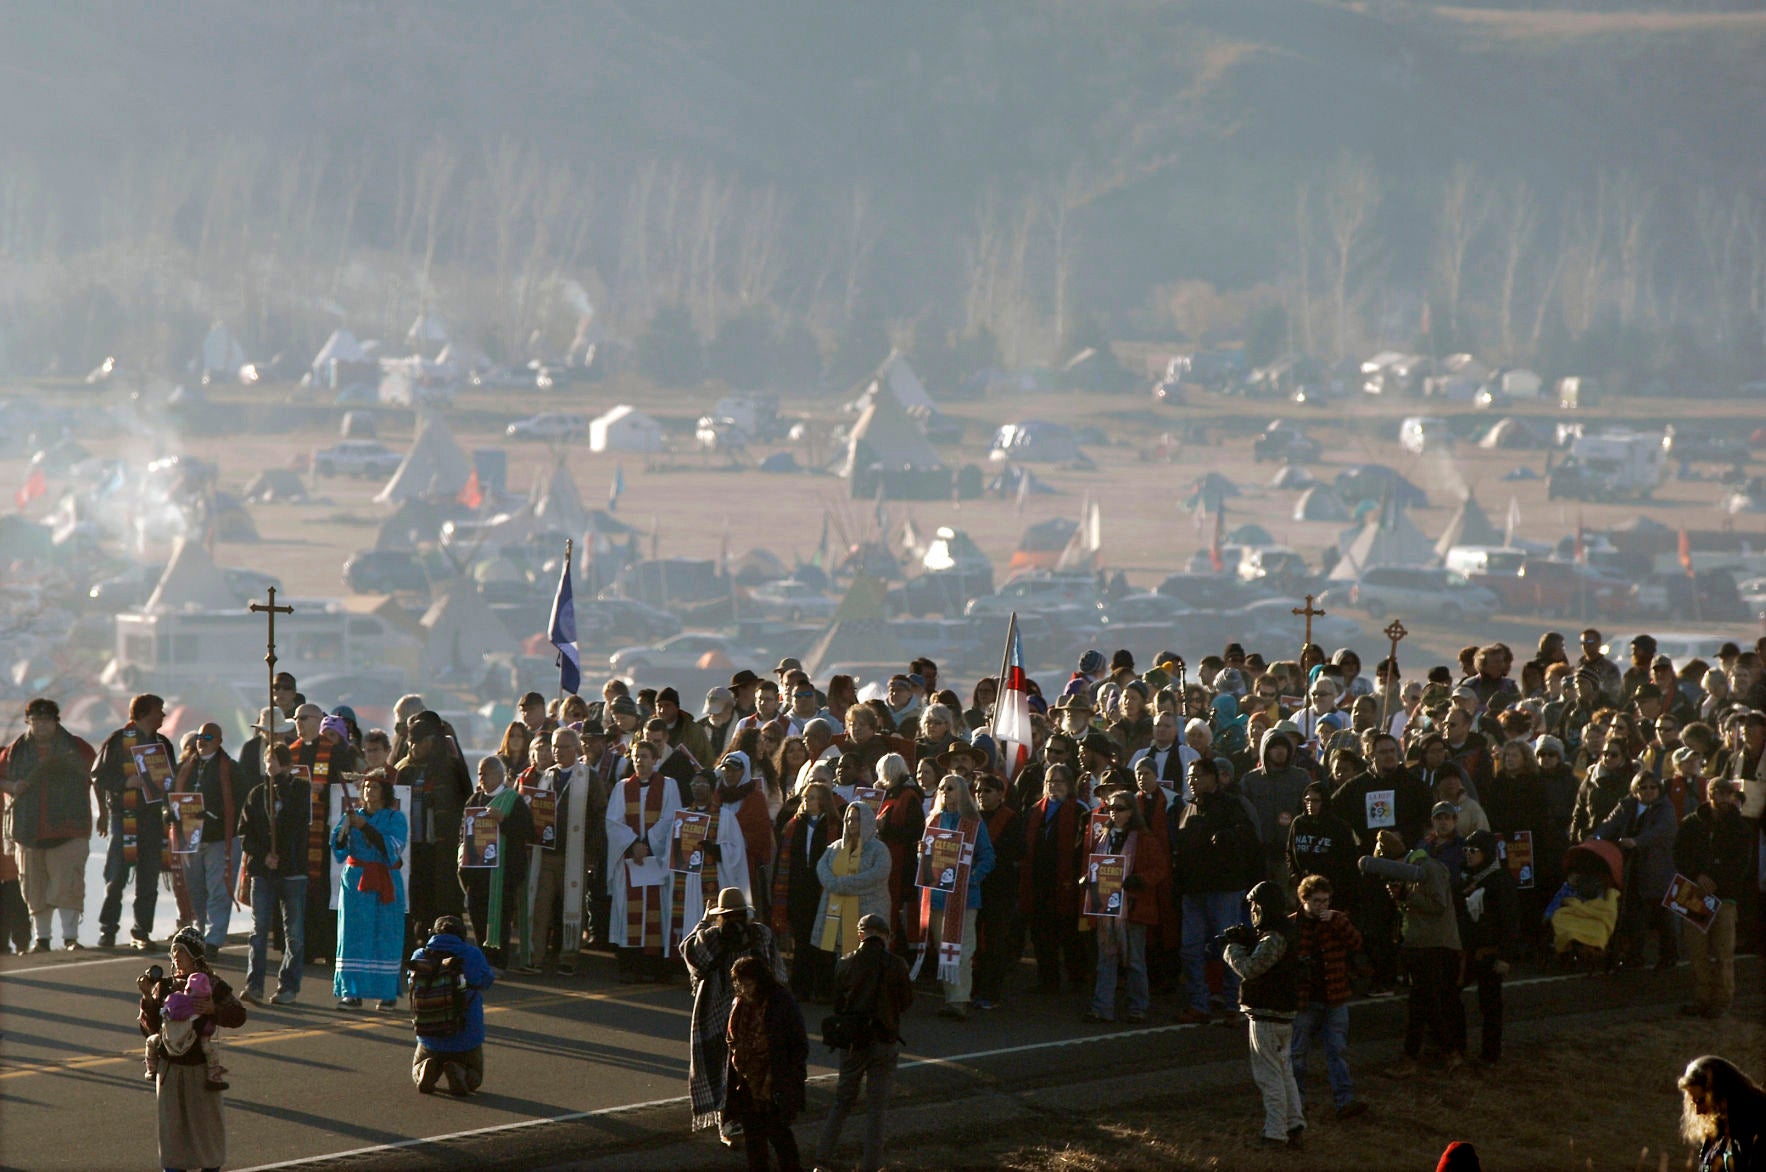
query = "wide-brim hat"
x=271 y=720
x=962 y=751
x=730 y=899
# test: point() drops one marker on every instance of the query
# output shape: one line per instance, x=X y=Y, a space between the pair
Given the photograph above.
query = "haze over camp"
x=614 y=585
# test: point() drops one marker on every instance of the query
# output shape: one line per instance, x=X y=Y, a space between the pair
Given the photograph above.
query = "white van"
x=1476 y=561
x=1424 y=433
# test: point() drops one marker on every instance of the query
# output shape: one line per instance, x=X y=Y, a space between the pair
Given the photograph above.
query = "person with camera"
x=1265 y=956
x=273 y=828
x=450 y=1037
x=871 y=992
x=1422 y=889
x=725 y=934
x=192 y=1128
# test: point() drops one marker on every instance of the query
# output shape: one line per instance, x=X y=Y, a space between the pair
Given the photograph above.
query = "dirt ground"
x=1140 y=481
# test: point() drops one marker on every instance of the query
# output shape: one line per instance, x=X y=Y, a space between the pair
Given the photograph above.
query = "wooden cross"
x=271 y=610
x=1394 y=631
x=1179 y=664
x=1311 y=613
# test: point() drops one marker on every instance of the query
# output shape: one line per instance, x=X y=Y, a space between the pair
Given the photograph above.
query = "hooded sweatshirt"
x=1274 y=792
x=862 y=875
x=479 y=977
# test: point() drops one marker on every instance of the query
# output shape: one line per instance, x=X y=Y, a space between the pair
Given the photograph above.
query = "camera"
x=1237 y=934
x=155 y=973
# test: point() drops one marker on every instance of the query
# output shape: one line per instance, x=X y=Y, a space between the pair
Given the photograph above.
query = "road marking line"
x=77 y=964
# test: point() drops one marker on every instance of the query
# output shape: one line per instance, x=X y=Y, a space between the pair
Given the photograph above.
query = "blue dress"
x=370 y=933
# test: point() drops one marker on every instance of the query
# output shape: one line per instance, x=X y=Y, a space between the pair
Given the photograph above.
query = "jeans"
x=1332 y=1023
x=267 y=892
x=209 y=876
x=875 y=1065
x=145 y=871
x=471 y=1061
x=1131 y=959
x=1205 y=917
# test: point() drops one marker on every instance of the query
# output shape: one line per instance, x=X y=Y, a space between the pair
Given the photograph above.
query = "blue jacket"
x=979 y=867
x=478 y=978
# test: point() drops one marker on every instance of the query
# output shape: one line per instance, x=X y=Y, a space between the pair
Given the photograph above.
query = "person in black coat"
x=873 y=982
x=515 y=833
x=1386 y=797
x=1489 y=931
x=273 y=829
x=999 y=932
x=1716 y=849
x=1215 y=859
x=801 y=846
x=1320 y=843
x=768 y=1063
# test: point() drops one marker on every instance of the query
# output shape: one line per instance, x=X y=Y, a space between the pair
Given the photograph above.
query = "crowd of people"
x=1265 y=840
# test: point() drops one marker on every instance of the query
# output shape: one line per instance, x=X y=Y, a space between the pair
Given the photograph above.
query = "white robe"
x=620 y=837
x=572 y=836
x=732 y=871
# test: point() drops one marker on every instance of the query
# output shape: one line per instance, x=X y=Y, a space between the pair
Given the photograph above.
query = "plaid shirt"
x=1325 y=947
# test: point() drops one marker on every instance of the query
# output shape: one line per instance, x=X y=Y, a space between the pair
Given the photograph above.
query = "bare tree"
x=1349 y=203
x=1520 y=221
x=1465 y=208
x=1303 y=260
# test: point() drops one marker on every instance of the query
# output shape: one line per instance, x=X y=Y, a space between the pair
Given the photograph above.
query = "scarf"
x=780 y=919
x=502 y=804
x=840 y=925
x=956 y=911
x=132 y=806
x=643 y=930
x=317 y=855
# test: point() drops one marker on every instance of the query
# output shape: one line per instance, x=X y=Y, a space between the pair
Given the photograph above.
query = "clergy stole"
x=643 y=905
x=502 y=804
x=318 y=834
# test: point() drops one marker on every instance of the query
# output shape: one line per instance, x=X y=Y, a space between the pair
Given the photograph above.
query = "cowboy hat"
x=730 y=899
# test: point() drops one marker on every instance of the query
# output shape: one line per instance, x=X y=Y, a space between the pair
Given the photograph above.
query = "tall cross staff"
x=271 y=610
x=1311 y=612
x=1394 y=631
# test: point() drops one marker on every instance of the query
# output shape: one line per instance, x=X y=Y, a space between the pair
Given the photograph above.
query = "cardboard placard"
x=185 y=824
x=941 y=853
x=1517 y=851
x=686 y=841
x=154 y=769
x=1104 y=894
x=480 y=839
x=871 y=796
x=542 y=805
x=1688 y=900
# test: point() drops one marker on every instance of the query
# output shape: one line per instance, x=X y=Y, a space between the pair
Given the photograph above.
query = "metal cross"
x=272 y=610
x=1179 y=664
x=1394 y=631
x=1311 y=613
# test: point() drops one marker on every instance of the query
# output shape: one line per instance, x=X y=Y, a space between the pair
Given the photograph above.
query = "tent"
x=276 y=484
x=221 y=352
x=625 y=429
x=1320 y=503
x=191 y=582
x=459 y=630
x=886 y=438
x=1250 y=535
x=415 y=522
x=859 y=632
x=1292 y=476
x=427 y=334
x=342 y=347
x=1469 y=525
x=897 y=376
x=1510 y=433
x=1373 y=482
x=557 y=501
x=1036 y=440
x=434 y=467
x=463 y=357
x=1389 y=538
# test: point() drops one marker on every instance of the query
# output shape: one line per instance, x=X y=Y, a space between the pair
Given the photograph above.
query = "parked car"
x=549 y=425
x=1209 y=591
x=1145 y=608
x=1284 y=442
x=1561 y=589
x=366 y=458
x=682 y=652
x=385 y=571
x=1423 y=591
x=617 y=621
x=1040 y=592
x=788 y=599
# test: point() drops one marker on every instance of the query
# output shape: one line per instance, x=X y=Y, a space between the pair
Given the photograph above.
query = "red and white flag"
x=1011 y=707
x=1217 y=557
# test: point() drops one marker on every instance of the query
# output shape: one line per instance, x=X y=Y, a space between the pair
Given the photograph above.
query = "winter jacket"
x=1601 y=792
x=1652 y=859
x=1325 y=949
x=275 y=821
x=871 y=979
x=1324 y=844
x=1429 y=920
x=870 y=882
x=1275 y=792
x=1411 y=800
x=1721 y=846
x=1489 y=913
x=1215 y=847
x=479 y=977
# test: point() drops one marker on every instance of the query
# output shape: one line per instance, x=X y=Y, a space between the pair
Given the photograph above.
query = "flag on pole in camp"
x=561 y=632
x=1216 y=555
x=1686 y=551
x=1512 y=523
x=617 y=487
x=472 y=495
x=1011 y=707
x=35 y=485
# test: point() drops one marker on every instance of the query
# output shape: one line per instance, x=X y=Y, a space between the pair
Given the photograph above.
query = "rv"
x=180 y=649
x=1610 y=465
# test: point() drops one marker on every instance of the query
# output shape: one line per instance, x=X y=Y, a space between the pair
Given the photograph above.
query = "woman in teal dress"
x=369 y=842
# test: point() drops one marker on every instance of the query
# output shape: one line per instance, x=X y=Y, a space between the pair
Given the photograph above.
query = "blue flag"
x=562 y=634
x=617 y=487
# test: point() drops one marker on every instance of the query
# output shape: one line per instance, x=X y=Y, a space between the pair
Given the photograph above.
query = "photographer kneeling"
x=1266 y=957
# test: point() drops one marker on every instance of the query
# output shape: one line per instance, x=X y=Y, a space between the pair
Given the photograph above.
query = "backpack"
x=438 y=995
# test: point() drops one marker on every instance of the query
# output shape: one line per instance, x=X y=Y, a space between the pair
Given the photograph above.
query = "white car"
x=1752 y=592
x=366 y=458
x=789 y=599
x=682 y=652
x=551 y=425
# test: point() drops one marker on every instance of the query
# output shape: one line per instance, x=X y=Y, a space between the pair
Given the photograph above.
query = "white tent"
x=1385 y=540
x=341 y=346
x=460 y=629
x=191 y=582
x=427 y=334
x=435 y=465
x=884 y=435
x=625 y=429
x=221 y=352
x=898 y=375
x=558 y=502
x=1470 y=525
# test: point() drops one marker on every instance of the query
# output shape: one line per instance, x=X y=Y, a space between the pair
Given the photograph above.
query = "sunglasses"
x=205 y=736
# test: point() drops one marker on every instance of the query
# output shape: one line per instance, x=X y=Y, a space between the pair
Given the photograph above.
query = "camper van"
x=177 y=649
x=1610 y=465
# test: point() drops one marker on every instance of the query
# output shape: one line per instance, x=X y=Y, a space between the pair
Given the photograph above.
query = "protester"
x=1122 y=933
x=274 y=832
x=727 y=933
x=1431 y=956
x=854 y=876
x=1716 y=848
x=211 y=871
x=192 y=1126
x=322 y=749
x=439 y=789
x=1265 y=957
x=448 y=978
x=947 y=914
x=1644 y=827
x=797 y=890
x=1215 y=858
x=131 y=812
x=640 y=820
x=999 y=928
x=1326 y=940
x=496 y=894
x=871 y=992
x=1722 y=1113
x=369 y=843
x=1489 y=930
x=769 y=1054
x=45 y=775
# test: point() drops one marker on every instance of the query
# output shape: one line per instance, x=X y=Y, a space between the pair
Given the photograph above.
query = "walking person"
x=769 y=1057
x=1265 y=956
x=192 y=1125
x=727 y=933
x=871 y=992
x=211 y=872
x=274 y=829
x=1326 y=939
x=133 y=818
x=46 y=777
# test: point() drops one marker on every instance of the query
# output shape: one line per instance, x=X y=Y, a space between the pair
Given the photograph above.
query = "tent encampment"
x=859 y=632
x=625 y=429
x=1320 y=503
x=191 y=581
x=1389 y=538
x=887 y=451
x=276 y=484
x=1038 y=441
x=1208 y=491
x=434 y=467
x=1375 y=482
x=340 y=347
x=1469 y=525
x=557 y=501
x=1512 y=434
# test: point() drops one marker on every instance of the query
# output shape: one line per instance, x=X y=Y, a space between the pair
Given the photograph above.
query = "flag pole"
x=569 y=547
x=999 y=682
